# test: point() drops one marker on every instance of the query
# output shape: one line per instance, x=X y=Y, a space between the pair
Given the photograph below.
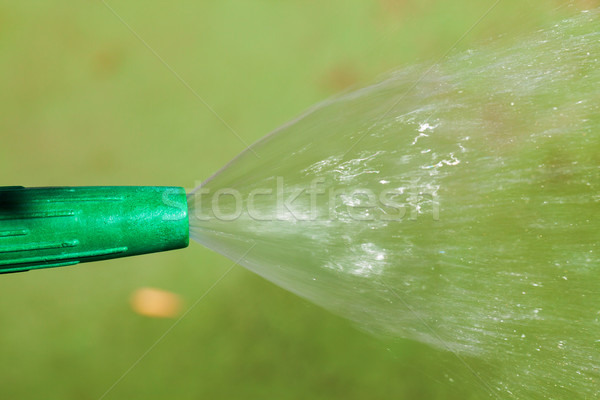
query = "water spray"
x=458 y=208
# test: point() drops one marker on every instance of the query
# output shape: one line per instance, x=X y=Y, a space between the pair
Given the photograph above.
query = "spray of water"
x=459 y=208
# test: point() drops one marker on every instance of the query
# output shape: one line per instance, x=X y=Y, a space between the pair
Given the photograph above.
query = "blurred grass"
x=84 y=102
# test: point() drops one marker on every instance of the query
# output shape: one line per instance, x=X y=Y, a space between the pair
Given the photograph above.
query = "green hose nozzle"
x=59 y=226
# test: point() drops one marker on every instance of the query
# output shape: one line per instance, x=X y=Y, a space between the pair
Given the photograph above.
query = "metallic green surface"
x=60 y=226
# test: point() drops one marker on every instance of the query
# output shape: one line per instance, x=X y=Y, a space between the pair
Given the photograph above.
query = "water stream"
x=456 y=205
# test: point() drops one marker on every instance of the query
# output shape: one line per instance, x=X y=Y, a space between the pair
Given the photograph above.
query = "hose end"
x=59 y=226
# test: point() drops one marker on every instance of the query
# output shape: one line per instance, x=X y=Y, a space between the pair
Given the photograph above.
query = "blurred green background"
x=84 y=102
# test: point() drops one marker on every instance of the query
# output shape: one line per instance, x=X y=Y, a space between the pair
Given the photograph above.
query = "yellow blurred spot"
x=156 y=303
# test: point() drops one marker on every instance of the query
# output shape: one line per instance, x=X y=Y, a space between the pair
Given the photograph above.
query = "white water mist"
x=458 y=206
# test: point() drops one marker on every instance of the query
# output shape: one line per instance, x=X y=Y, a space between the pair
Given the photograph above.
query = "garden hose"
x=60 y=226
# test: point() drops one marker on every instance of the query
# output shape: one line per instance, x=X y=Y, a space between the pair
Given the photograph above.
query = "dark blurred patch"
x=107 y=61
x=558 y=169
x=501 y=120
x=12 y=199
x=394 y=7
x=340 y=77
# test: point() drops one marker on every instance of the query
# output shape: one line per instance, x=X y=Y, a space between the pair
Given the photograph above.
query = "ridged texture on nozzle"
x=58 y=226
